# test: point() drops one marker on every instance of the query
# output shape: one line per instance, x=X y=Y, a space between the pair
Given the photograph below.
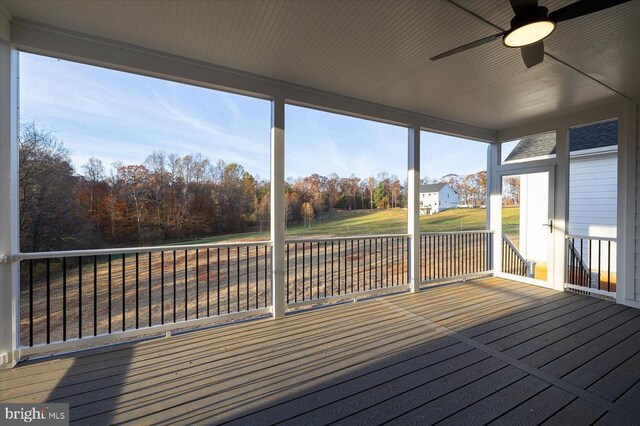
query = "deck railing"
x=334 y=267
x=512 y=261
x=591 y=265
x=447 y=255
x=72 y=295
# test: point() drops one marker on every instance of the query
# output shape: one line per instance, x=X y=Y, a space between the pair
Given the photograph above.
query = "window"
x=529 y=148
x=345 y=176
x=462 y=165
x=112 y=159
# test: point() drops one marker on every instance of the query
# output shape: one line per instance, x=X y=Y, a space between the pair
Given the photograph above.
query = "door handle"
x=549 y=225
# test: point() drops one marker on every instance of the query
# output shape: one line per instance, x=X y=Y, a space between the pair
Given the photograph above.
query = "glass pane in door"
x=526 y=227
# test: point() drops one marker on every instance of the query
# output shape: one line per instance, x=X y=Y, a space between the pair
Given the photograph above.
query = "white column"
x=413 y=214
x=9 y=277
x=277 y=208
x=494 y=204
x=627 y=207
x=561 y=207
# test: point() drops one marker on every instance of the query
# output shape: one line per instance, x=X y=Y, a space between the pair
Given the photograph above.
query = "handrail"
x=479 y=231
x=132 y=250
x=155 y=249
x=586 y=237
x=512 y=261
x=355 y=237
x=514 y=249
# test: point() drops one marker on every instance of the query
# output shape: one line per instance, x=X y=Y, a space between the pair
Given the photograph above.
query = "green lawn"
x=392 y=221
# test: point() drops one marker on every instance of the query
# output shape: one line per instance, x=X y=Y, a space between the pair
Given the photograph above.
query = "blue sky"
x=117 y=116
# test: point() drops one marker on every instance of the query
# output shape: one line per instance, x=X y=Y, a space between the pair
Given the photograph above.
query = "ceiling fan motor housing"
x=526 y=17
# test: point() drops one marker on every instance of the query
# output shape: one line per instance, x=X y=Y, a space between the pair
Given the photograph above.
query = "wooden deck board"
x=395 y=359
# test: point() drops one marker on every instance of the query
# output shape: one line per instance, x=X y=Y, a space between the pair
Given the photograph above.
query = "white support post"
x=277 y=208
x=494 y=206
x=561 y=214
x=9 y=277
x=627 y=210
x=413 y=215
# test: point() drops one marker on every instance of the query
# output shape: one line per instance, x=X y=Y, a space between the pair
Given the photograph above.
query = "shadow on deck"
x=488 y=350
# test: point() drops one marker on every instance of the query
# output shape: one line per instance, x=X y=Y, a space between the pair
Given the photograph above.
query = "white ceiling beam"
x=46 y=40
x=593 y=115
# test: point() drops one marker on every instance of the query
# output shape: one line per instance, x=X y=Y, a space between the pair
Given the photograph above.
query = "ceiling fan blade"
x=581 y=8
x=533 y=54
x=519 y=6
x=467 y=46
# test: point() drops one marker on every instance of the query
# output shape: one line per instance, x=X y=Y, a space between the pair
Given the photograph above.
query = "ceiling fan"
x=532 y=23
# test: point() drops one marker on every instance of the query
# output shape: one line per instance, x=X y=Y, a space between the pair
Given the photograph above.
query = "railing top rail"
x=132 y=250
x=479 y=231
x=513 y=249
x=356 y=237
x=586 y=237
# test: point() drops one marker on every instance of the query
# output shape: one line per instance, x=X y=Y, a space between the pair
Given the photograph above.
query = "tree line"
x=170 y=197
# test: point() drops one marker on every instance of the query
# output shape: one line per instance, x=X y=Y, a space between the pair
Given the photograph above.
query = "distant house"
x=593 y=171
x=437 y=197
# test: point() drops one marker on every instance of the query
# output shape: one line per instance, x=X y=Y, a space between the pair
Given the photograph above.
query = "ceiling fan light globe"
x=529 y=33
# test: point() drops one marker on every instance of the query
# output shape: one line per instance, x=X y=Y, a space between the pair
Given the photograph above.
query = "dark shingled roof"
x=432 y=187
x=587 y=137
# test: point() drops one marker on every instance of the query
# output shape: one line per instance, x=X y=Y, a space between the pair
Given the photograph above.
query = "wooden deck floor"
x=485 y=351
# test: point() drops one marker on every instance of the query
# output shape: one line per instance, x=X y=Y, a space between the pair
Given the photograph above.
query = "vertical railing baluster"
x=218 y=278
x=150 y=292
x=304 y=288
x=370 y=268
x=374 y=264
x=48 y=272
x=423 y=263
x=208 y=282
x=162 y=287
x=599 y=263
x=288 y=274
x=609 y=268
x=95 y=295
x=175 y=287
x=109 y=279
x=339 y=267
x=350 y=264
x=79 y=297
x=247 y=263
x=186 y=285
x=197 y=283
x=358 y=264
x=228 y=280
x=318 y=268
x=124 y=292
x=30 y=302
x=325 y=269
x=64 y=299
x=295 y=272
x=332 y=273
x=257 y=277
x=311 y=271
x=137 y=290
x=266 y=275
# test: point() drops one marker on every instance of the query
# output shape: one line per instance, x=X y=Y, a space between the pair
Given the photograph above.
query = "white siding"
x=448 y=198
x=593 y=197
x=593 y=205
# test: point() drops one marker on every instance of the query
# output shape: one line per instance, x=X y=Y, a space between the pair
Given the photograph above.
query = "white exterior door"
x=527 y=219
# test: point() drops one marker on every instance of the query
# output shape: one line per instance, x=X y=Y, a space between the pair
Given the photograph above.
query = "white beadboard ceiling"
x=379 y=51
